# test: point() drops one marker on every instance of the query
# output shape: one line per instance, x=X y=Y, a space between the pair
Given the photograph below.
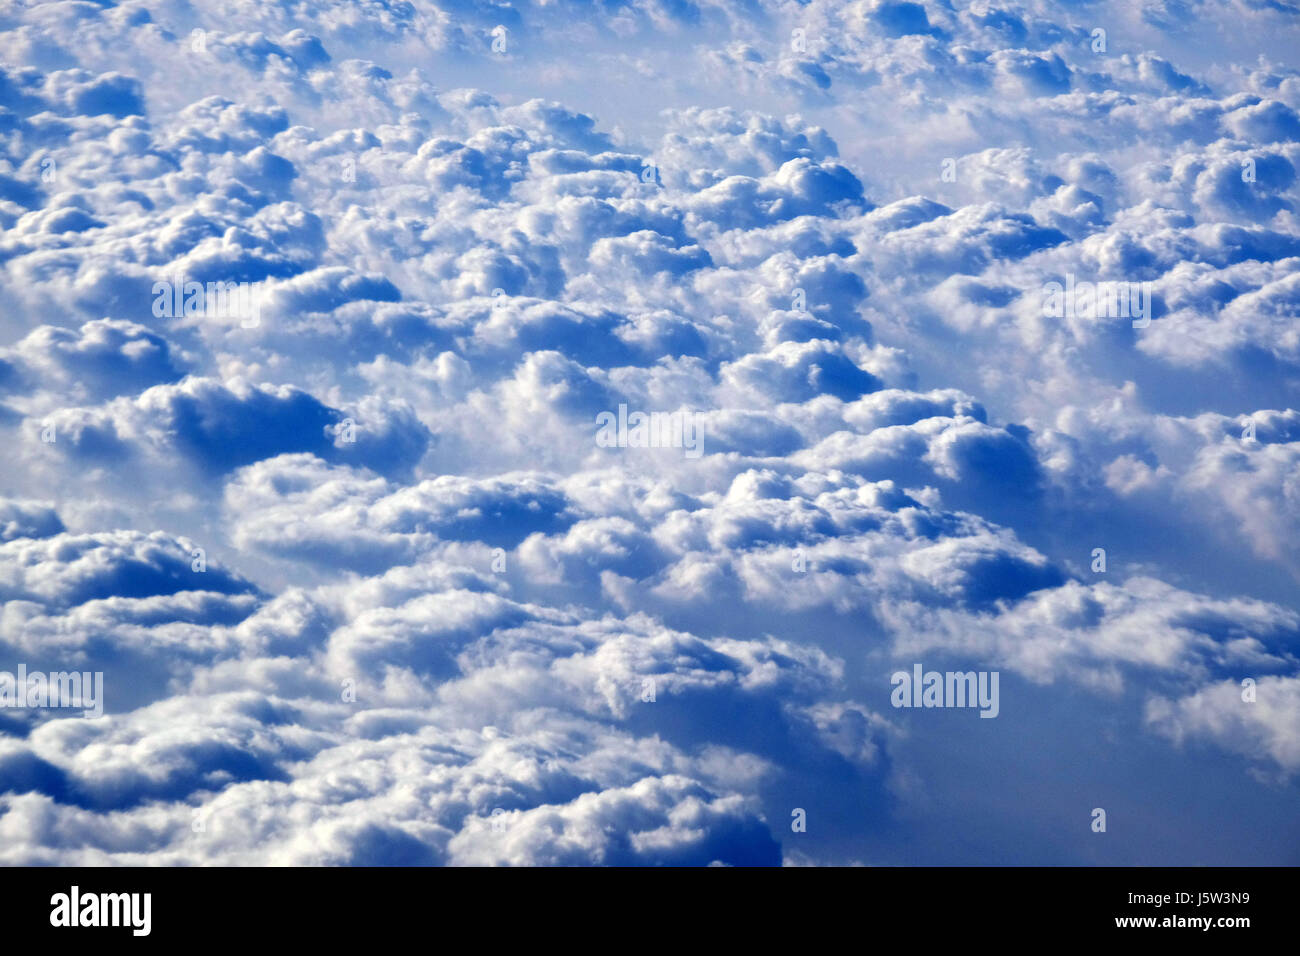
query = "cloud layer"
x=310 y=316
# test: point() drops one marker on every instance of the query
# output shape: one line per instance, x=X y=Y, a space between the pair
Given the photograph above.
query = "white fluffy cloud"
x=366 y=589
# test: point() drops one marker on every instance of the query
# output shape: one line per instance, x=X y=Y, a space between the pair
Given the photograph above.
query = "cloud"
x=220 y=427
x=1266 y=726
x=104 y=358
x=366 y=589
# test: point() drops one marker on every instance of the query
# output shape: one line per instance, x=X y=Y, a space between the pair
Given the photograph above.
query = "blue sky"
x=366 y=587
